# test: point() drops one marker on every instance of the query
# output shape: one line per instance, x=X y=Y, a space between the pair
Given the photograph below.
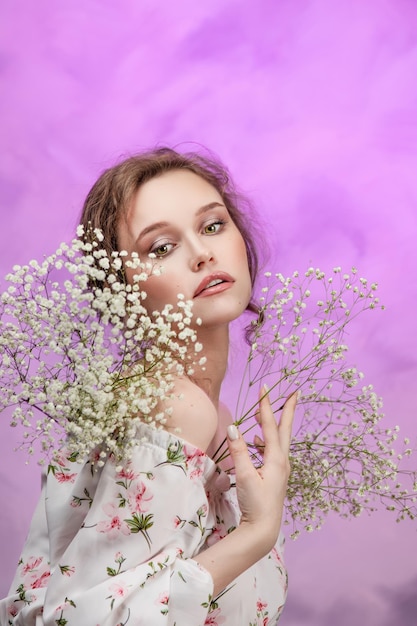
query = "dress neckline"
x=167 y=440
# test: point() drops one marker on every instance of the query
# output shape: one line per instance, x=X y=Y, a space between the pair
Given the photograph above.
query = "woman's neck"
x=216 y=350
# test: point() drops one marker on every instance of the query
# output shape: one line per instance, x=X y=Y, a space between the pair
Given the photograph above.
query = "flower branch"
x=342 y=458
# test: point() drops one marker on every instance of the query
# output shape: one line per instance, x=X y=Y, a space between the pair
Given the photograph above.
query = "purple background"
x=313 y=106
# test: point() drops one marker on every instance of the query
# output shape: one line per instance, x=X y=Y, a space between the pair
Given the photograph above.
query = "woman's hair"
x=113 y=194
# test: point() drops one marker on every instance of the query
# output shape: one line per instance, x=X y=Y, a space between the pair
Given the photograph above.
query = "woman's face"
x=181 y=219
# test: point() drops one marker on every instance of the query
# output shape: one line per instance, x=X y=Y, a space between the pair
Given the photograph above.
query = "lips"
x=214 y=283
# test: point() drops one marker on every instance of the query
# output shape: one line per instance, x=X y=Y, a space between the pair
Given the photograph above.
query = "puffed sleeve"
x=33 y=571
x=121 y=541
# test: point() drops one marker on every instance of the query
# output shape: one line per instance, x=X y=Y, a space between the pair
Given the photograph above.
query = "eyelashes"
x=216 y=225
x=162 y=249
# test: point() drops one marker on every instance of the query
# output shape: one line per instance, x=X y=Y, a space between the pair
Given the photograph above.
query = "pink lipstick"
x=214 y=283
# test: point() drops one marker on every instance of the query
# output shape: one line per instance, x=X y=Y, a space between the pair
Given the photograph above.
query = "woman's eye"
x=214 y=227
x=163 y=249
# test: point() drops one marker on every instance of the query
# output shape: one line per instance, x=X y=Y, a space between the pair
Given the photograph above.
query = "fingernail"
x=232 y=432
x=298 y=395
x=266 y=388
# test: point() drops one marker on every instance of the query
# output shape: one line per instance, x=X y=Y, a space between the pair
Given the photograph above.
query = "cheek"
x=242 y=255
x=240 y=247
x=160 y=290
x=245 y=265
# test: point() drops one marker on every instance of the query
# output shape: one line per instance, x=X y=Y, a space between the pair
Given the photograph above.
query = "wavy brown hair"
x=113 y=193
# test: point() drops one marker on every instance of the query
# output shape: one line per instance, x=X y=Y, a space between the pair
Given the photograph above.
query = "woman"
x=158 y=542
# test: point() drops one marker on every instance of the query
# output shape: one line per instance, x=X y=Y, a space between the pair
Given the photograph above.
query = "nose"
x=201 y=256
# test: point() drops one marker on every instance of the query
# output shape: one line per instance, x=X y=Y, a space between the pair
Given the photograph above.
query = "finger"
x=286 y=421
x=239 y=452
x=269 y=426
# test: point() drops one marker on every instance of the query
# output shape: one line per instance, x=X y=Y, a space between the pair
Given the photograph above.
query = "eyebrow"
x=157 y=225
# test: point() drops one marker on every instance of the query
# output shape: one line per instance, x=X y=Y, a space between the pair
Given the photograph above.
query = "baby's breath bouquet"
x=82 y=361
x=343 y=459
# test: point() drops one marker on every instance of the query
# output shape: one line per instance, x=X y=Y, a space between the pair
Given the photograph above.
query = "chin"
x=222 y=317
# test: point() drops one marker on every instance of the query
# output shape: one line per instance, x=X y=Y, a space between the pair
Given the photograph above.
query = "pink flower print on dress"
x=276 y=556
x=262 y=613
x=202 y=511
x=41 y=580
x=115 y=525
x=261 y=606
x=118 y=590
x=139 y=496
x=32 y=564
x=194 y=457
x=163 y=599
x=217 y=533
x=178 y=522
x=65 y=605
x=196 y=473
x=279 y=564
x=194 y=460
x=35 y=573
x=127 y=472
x=62 y=477
x=214 y=618
x=60 y=459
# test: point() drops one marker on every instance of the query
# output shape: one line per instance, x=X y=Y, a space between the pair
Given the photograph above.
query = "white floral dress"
x=111 y=547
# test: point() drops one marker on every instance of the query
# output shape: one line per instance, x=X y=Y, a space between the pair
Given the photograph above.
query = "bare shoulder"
x=194 y=416
x=225 y=415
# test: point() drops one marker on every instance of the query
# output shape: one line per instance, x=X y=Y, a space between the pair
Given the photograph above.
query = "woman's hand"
x=261 y=492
